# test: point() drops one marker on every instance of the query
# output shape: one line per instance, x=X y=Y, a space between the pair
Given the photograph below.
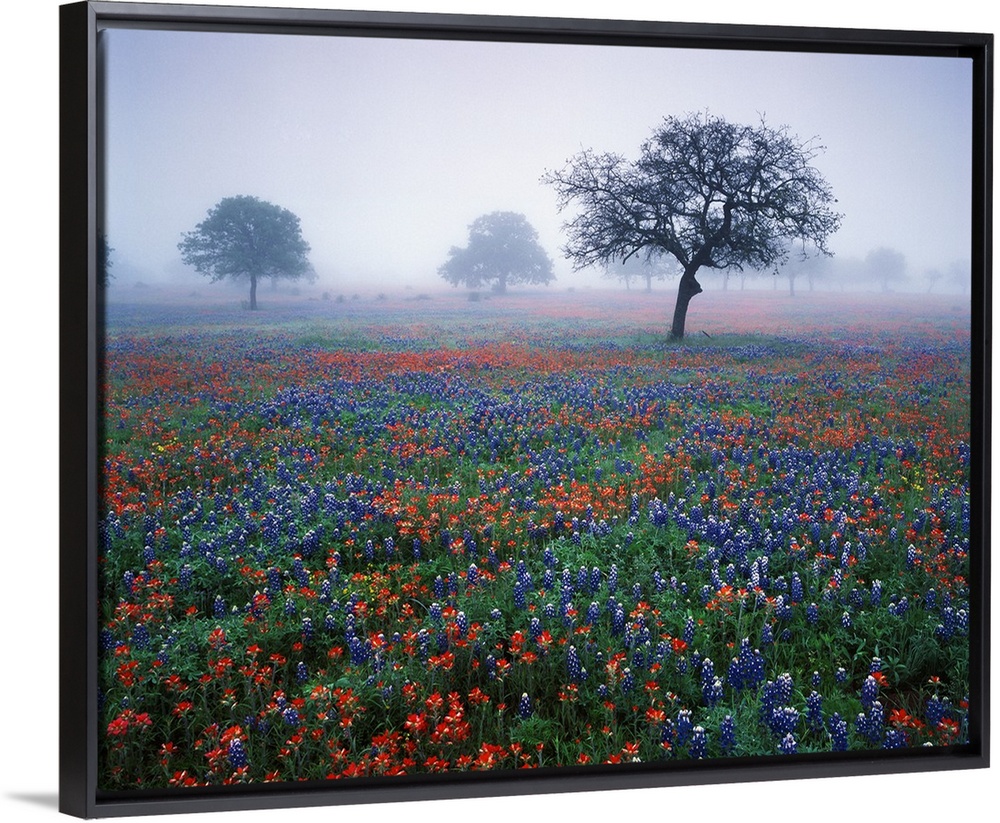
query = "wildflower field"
x=375 y=537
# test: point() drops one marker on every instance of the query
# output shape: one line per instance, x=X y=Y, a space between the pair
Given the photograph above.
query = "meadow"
x=381 y=536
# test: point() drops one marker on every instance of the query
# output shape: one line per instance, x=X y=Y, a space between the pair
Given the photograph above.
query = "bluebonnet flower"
x=524 y=706
x=684 y=727
x=520 y=601
x=698 y=746
x=628 y=681
x=766 y=635
x=301 y=673
x=689 y=626
x=870 y=724
x=814 y=710
x=896 y=739
x=838 y=733
x=869 y=692
x=797 y=593
x=840 y=675
x=290 y=716
x=236 y=754
x=845 y=620
x=307 y=629
x=936 y=711
x=788 y=744
x=962 y=616
x=299 y=572
x=522 y=575
x=358 y=649
x=140 y=636
x=727 y=733
x=593 y=613
x=784 y=720
x=462 y=622
x=713 y=693
x=618 y=620
x=573 y=668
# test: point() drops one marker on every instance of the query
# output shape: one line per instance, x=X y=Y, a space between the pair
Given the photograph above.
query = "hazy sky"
x=388 y=149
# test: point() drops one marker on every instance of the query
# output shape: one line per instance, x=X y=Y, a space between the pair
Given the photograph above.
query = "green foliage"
x=245 y=237
x=503 y=251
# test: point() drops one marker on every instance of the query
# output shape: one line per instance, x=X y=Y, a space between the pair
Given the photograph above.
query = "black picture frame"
x=81 y=335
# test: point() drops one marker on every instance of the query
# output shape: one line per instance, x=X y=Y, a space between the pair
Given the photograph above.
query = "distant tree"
x=104 y=258
x=960 y=275
x=245 y=237
x=933 y=277
x=503 y=251
x=710 y=193
x=885 y=266
x=648 y=267
x=804 y=261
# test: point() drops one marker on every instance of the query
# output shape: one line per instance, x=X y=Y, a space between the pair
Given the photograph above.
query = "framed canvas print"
x=461 y=406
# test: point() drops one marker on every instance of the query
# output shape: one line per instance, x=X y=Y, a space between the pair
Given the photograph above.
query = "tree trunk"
x=687 y=289
x=649 y=282
x=253 y=292
x=501 y=287
x=791 y=285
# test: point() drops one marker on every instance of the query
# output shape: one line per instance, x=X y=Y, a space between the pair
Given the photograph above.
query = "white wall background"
x=28 y=453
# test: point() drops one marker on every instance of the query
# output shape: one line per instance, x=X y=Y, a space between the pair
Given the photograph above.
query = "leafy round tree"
x=885 y=266
x=503 y=251
x=245 y=237
x=709 y=193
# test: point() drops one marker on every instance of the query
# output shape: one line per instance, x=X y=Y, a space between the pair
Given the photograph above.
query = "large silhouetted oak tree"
x=709 y=193
x=503 y=250
x=245 y=237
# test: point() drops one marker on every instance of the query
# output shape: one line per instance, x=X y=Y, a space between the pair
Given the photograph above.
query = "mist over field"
x=389 y=150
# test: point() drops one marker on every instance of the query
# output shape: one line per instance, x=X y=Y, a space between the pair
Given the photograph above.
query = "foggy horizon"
x=388 y=149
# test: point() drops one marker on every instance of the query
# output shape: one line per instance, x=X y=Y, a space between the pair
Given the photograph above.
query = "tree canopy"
x=885 y=266
x=708 y=192
x=503 y=251
x=245 y=237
